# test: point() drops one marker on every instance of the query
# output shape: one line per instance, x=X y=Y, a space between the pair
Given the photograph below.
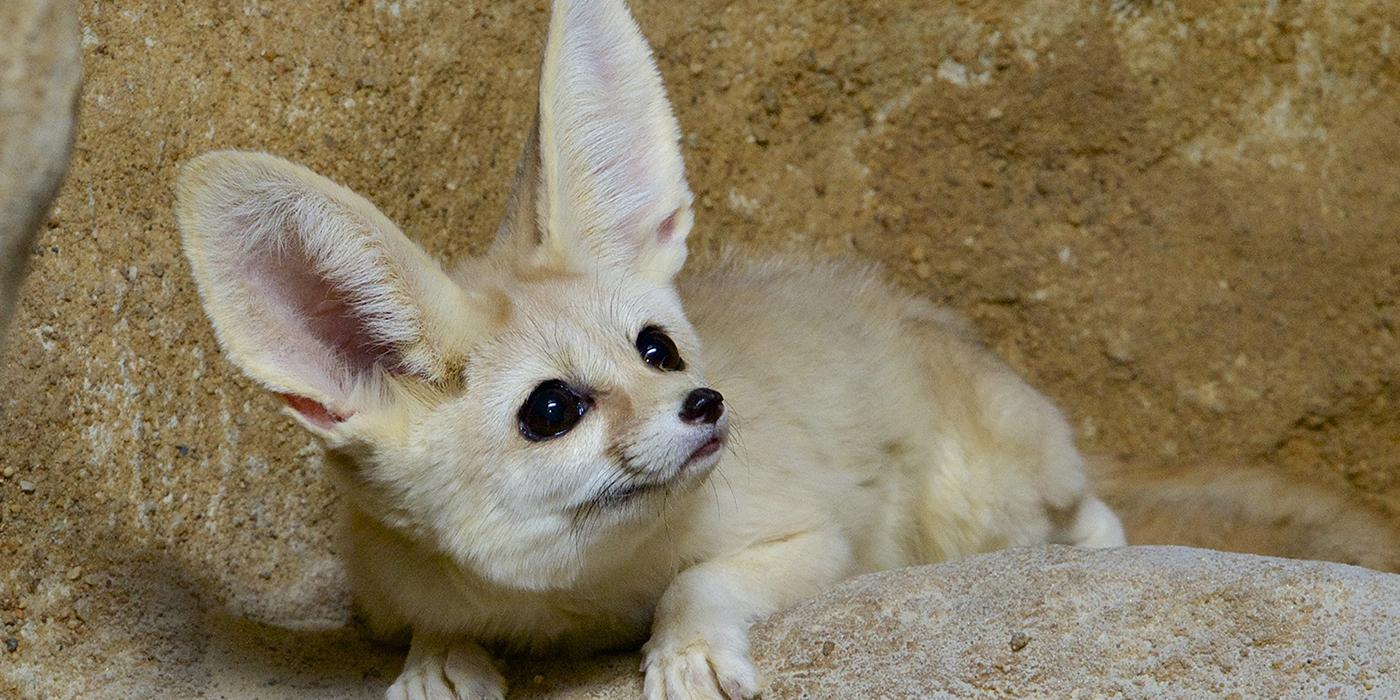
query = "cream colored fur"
x=863 y=429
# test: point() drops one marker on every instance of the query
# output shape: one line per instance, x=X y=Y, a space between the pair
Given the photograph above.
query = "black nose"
x=702 y=405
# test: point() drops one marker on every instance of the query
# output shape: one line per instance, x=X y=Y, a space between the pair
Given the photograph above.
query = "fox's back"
x=854 y=400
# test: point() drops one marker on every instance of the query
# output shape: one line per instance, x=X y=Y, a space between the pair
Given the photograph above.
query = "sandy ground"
x=1180 y=220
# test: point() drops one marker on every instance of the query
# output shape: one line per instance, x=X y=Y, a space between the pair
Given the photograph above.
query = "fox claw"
x=442 y=671
x=699 y=671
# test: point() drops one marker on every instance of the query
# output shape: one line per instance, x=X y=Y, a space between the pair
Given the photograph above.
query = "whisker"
x=720 y=473
x=666 y=523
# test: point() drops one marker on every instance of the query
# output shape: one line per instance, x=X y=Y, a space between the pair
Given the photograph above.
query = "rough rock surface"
x=1176 y=218
x=40 y=71
x=1061 y=623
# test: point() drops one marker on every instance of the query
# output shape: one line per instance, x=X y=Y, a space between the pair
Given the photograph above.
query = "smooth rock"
x=1060 y=622
x=1063 y=622
x=40 y=72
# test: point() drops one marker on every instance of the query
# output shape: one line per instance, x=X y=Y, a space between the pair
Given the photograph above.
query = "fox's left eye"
x=658 y=350
x=553 y=409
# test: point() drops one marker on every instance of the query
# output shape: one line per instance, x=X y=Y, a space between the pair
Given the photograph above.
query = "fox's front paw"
x=699 y=669
x=447 y=670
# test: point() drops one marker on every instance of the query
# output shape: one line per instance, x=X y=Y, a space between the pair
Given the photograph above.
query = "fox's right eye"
x=658 y=350
x=552 y=410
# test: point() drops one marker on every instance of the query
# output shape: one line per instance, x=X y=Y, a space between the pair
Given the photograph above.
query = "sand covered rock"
x=40 y=70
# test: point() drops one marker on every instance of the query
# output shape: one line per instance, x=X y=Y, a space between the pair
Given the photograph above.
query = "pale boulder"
x=40 y=71
x=1060 y=622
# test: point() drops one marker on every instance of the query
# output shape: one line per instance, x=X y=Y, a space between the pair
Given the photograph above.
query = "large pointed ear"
x=312 y=291
x=602 y=181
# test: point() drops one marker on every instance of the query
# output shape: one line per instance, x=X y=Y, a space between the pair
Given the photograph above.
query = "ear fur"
x=602 y=181
x=311 y=290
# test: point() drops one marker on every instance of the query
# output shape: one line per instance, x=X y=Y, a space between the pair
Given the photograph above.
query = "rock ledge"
x=1063 y=622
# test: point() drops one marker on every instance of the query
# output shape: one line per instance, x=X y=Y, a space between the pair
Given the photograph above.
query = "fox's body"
x=935 y=451
x=568 y=445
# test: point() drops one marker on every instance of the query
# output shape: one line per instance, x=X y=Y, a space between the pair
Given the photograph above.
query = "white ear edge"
x=612 y=177
x=308 y=286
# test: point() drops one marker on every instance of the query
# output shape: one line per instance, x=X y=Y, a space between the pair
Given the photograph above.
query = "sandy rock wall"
x=1180 y=220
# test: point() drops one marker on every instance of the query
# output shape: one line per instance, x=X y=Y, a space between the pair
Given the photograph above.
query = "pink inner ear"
x=320 y=316
x=667 y=227
x=313 y=411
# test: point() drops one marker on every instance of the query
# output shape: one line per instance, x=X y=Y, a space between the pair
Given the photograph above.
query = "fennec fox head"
x=532 y=407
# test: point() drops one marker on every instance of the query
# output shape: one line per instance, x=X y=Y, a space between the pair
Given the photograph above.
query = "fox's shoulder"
x=810 y=295
x=781 y=270
x=795 y=283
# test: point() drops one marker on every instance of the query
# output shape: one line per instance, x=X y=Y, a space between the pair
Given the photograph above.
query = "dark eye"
x=552 y=410
x=657 y=350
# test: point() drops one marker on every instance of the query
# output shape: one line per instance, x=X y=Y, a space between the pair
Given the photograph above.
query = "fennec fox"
x=562 y=446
